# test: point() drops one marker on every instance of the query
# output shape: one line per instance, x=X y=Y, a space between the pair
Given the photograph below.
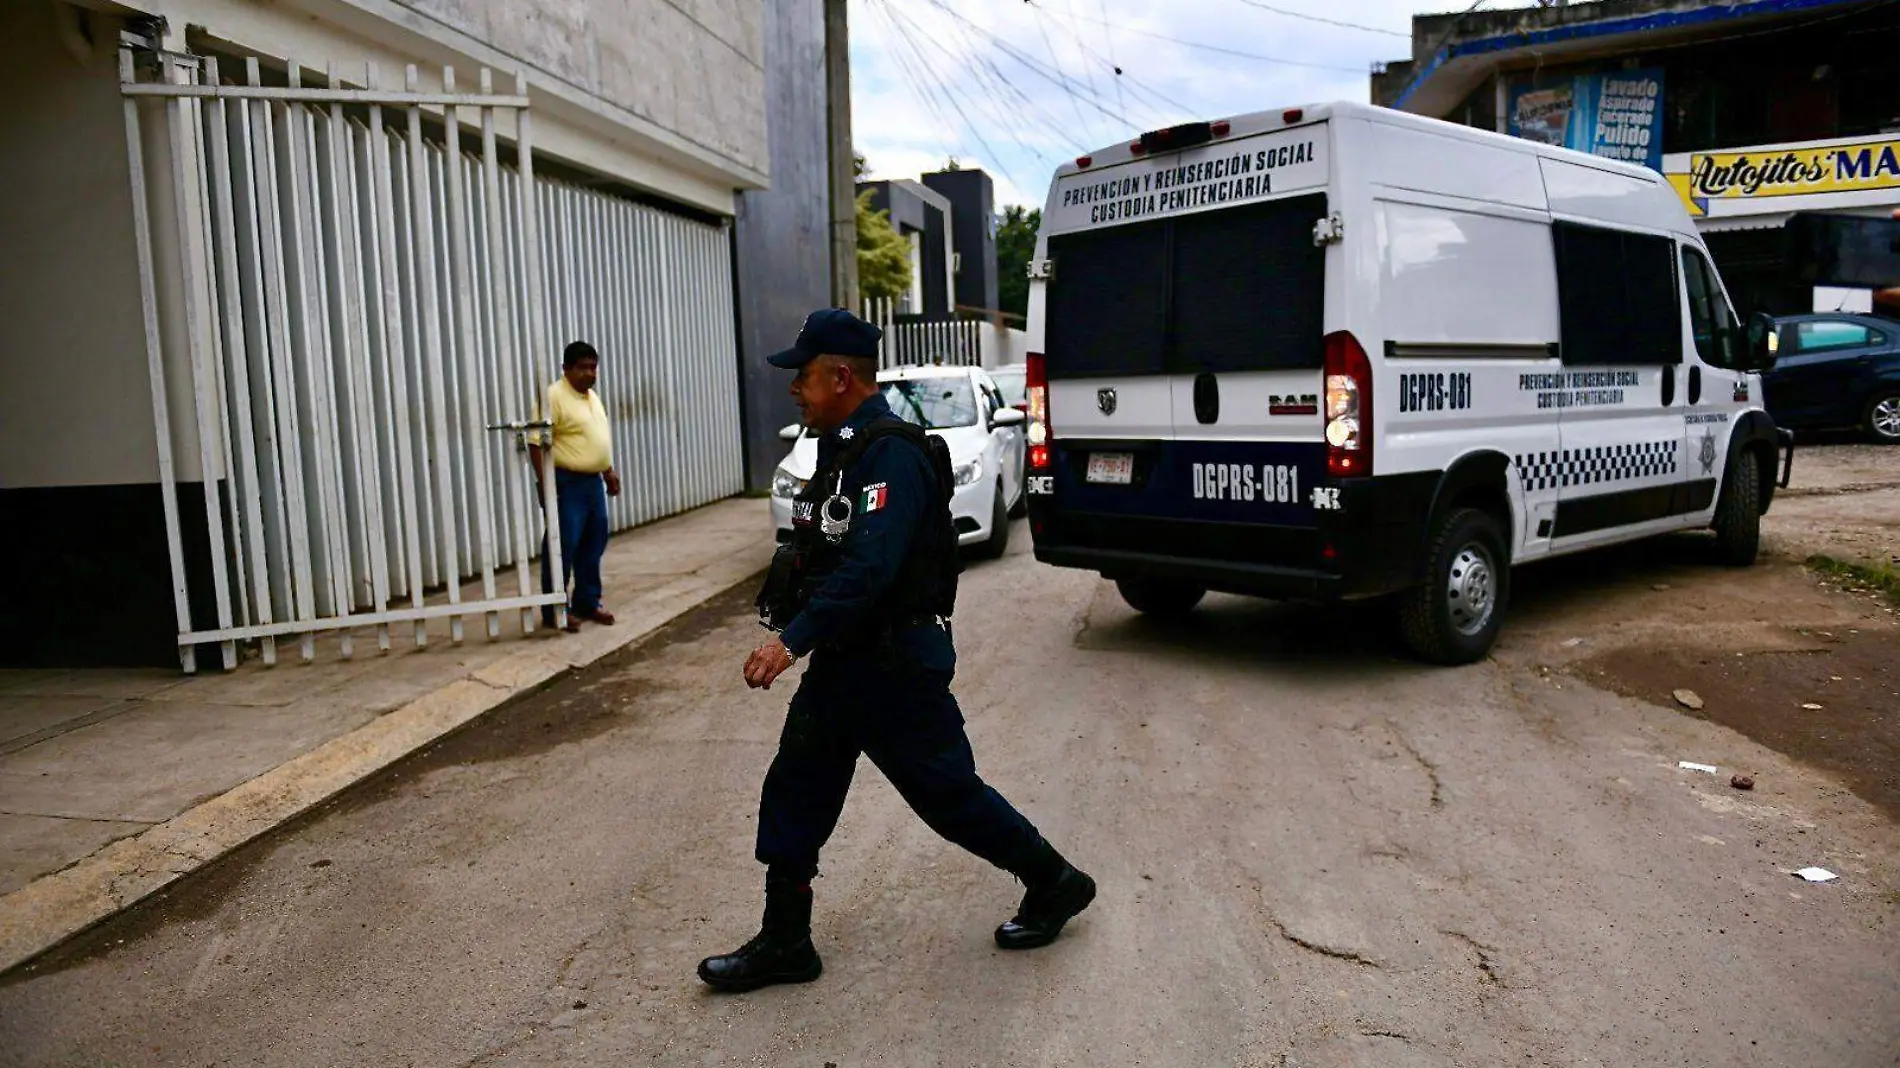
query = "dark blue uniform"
x=876 y=686
x=869 y=604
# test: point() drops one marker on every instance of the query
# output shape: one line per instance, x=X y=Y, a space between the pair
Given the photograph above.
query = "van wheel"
x=1738 y=515
x=997 y=543
x=1165 y=600
x=1883 y=419
x=1455 y=616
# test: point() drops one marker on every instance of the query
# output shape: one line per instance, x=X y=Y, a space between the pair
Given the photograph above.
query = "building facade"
x=1778 y=121
x=972 y=198
x=924 y=218
x=281 y=277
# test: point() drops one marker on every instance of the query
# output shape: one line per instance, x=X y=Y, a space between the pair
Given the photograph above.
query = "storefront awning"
x=1718 y=225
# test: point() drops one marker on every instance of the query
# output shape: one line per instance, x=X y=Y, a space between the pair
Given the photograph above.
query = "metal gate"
x=360 y=310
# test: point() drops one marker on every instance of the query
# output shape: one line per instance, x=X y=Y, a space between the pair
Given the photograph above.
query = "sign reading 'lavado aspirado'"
x=1819 y=169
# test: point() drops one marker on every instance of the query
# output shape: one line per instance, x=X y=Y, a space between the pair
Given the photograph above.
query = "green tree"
x=1015 y=245
x=883 y=254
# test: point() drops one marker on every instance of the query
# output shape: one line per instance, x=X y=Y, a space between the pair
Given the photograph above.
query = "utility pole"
x=844 y=202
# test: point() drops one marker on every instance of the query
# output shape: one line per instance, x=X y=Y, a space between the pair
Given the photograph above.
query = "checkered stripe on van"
x=1602 y=463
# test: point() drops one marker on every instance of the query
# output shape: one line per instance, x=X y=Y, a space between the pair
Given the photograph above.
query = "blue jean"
x=582 y=503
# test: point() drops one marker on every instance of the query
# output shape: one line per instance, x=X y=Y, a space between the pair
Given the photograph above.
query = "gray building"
x=973 y=210
x=257 y=319
x=924 y=218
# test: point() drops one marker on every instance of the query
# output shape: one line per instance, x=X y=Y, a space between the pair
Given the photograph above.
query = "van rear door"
x=1246 y=346
x=1183 y=336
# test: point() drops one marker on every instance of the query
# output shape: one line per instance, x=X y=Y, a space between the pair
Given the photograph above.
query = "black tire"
x=1738 y=512
x=1468 y=565
x=1165 y=600
x=997 y=543
x=1882 y=421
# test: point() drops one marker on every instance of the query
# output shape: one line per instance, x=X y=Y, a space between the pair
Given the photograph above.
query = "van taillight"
x=1036 y=379
x=1348 y=407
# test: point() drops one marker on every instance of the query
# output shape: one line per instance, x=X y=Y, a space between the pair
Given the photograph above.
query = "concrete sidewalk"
x=115 y=783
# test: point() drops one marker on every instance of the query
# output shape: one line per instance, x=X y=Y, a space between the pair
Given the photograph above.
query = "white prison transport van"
x=1340 y=351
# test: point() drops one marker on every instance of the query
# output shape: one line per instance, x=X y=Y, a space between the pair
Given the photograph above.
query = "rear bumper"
x=1372 y=543
x=1263 y=580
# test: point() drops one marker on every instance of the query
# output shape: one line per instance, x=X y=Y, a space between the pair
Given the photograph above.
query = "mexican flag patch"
x=876 y=496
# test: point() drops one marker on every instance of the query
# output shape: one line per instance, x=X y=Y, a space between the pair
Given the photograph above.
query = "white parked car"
x=962 y=406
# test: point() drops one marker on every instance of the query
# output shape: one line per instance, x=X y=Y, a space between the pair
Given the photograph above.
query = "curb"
x=53 y=908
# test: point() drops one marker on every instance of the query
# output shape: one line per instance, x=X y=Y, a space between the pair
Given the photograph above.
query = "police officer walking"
x=865 y=589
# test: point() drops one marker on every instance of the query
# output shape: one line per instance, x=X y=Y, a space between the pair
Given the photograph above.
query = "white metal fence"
x=362 y=308
x=954 y=342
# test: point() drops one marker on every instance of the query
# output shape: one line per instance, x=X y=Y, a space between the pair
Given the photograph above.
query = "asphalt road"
x=1311 y=852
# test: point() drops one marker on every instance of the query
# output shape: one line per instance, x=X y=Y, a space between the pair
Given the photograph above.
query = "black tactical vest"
x=926 y=583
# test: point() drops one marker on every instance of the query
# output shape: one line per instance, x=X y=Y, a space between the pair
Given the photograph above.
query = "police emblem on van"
x=1105 y=400
x=1293 y=404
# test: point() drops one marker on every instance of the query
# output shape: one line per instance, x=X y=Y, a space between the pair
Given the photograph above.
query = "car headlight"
x=785 y=484
x=968 y=473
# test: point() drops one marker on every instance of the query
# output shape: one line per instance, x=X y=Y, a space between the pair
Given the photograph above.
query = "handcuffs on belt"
x=834 y=526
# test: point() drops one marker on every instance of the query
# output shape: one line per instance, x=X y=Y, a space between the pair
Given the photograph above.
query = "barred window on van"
x=1107 y=302
x=1617 y=296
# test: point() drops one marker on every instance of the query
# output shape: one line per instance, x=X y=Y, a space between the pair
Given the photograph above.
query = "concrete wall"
x=75 y=407
x=782 y=237
x=664 y=96
x=694 y=67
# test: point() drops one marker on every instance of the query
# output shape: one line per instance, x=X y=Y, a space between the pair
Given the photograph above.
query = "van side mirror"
x=1762 y=340
x=790 y=432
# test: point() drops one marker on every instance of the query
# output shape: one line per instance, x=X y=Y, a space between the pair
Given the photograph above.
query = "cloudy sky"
x=1018 y=86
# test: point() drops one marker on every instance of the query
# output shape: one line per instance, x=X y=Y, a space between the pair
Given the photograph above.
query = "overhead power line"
x=1180 y=110
x=1030 y=63
x=1108 y=35
x=1321 y=18
x=994 y=157
x=1062 y=76
x=1030 y=116
x=1222 y=49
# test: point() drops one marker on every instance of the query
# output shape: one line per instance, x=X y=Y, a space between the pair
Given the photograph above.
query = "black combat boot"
x=1057 y=891
x=780 y=953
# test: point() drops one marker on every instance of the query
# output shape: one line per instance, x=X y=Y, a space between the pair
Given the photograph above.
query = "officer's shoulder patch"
x=876 y=495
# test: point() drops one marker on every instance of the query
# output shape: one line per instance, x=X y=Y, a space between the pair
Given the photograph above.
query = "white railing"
x=952 y=342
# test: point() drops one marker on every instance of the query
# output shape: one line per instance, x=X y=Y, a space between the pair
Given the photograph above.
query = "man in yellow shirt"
x=583 y=453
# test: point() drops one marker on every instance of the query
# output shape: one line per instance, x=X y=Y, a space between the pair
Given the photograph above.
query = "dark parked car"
x=1836 y=370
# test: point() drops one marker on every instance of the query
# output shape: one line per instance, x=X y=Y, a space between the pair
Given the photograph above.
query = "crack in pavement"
x=1487 y=956
x=1431 y=769
x=1837 y=491
x=1323 y=950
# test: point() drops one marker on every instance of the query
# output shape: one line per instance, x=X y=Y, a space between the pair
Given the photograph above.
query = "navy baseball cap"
x=829 y=331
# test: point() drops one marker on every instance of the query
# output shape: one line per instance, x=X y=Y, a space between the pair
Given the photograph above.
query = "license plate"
x=1113 y=467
